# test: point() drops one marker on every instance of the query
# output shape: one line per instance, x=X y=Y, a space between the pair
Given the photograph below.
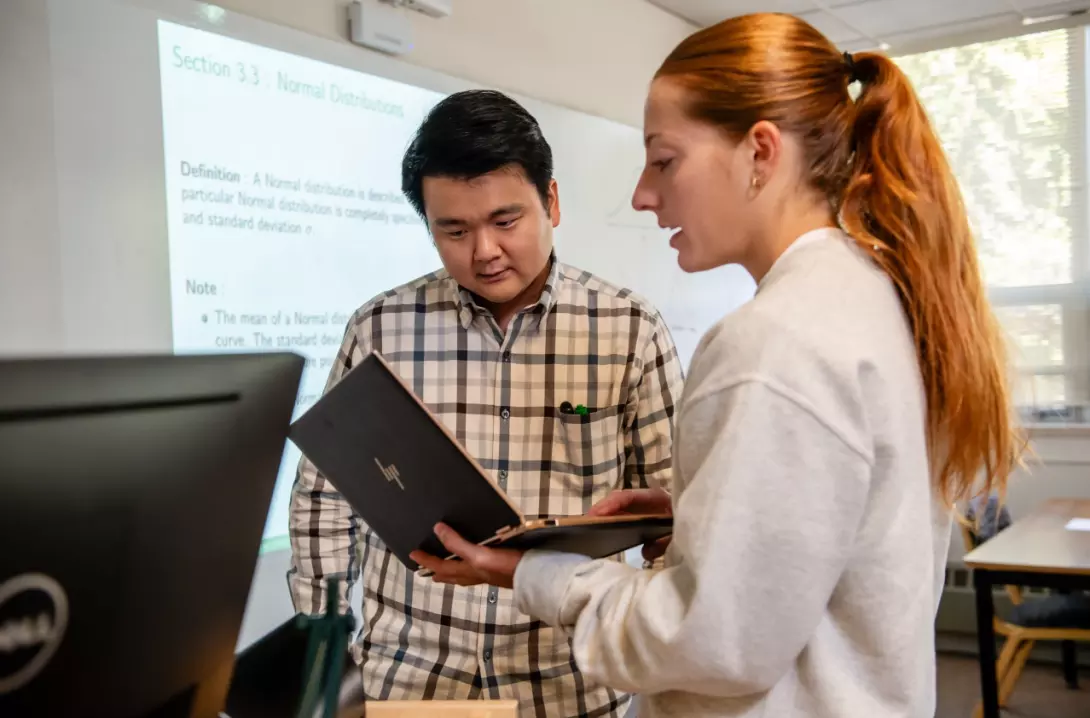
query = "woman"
x=828 y=426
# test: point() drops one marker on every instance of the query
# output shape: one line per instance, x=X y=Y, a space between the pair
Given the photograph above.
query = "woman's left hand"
x=479 y=565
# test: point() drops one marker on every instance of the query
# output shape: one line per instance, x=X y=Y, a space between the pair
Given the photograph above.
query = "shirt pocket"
x=591 y=449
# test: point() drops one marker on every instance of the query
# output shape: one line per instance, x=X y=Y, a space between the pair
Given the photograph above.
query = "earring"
x=755 y=183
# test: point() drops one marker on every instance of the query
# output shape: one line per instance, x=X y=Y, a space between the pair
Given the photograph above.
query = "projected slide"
x=284 y=204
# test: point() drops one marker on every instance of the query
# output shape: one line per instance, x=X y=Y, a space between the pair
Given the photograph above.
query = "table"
x=1036 y=550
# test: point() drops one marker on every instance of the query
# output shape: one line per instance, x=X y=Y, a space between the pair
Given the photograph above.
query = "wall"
x=596 y=56
x=30 y=299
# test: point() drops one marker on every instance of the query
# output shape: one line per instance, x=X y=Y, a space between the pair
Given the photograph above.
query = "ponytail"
x=903 y=206
x=882 y=167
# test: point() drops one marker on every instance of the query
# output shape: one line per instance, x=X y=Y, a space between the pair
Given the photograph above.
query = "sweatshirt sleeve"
x=773 y=495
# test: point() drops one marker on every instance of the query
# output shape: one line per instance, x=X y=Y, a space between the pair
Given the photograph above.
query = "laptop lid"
x=397 y=465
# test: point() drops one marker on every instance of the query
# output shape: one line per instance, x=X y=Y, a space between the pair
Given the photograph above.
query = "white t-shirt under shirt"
x=808 y=556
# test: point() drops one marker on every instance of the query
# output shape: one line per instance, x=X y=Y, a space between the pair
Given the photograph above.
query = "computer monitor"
x=133 y=497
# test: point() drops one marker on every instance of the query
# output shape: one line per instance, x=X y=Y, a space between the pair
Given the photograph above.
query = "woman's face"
x=697 y=182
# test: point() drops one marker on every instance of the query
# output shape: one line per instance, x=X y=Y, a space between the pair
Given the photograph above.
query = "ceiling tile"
x=788 y=6
x=860 y=24
x=919 y=39
x=886 y=17
x=831 y=26
x=861 y=44
x=1043 y=7
x=709 y=12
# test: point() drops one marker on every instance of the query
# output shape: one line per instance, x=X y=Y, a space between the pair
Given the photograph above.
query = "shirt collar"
x=468 y=306
x=814 y=235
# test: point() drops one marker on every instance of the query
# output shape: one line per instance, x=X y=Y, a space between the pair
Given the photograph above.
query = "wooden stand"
x=435 y=709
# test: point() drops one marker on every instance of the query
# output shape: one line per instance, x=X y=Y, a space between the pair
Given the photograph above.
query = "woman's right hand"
x=638 y=501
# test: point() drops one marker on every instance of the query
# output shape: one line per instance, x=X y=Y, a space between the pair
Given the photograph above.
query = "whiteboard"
x=113 y=177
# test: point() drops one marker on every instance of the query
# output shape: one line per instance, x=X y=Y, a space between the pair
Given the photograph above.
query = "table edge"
x=1028 y=568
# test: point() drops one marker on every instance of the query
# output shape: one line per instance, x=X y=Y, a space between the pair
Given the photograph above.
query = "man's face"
x=493 y=234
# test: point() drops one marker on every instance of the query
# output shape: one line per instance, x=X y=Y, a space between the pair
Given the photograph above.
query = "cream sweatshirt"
x=808 y=555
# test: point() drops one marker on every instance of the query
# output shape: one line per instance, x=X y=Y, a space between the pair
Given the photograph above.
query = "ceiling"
x=899 y=26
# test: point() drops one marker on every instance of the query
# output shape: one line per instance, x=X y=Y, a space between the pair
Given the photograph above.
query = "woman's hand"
x=479 y=565
x=638 y=501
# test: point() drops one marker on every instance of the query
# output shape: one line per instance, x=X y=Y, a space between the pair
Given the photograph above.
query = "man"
x=494 y=344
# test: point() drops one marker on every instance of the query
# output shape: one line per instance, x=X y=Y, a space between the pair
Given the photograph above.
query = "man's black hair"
x=470 y=134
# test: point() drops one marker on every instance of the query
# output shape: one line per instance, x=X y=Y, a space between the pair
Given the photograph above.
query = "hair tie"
x=851 y=67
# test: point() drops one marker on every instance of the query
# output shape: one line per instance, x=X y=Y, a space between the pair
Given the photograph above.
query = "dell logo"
x=26 y=632
x=33 y=618
x=390 y=473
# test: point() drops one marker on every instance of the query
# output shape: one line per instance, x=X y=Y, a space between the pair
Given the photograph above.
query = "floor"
x=1040 y=693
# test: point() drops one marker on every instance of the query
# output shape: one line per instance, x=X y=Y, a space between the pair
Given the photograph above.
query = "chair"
x=1057 y=617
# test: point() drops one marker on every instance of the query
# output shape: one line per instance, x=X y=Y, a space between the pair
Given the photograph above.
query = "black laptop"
x=403 y=472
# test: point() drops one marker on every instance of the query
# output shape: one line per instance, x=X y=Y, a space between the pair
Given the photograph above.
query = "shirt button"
x=488 y=656
x=505 y=414
x=507 y=356
x=491 y=596
x=503 y=474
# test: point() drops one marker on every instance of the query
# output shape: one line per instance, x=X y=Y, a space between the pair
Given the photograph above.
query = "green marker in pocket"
x=566 y=408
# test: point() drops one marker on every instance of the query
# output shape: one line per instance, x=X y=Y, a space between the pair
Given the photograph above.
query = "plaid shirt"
x=584 y=341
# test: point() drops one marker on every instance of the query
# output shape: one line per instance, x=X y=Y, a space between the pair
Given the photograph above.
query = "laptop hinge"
x=506 y=531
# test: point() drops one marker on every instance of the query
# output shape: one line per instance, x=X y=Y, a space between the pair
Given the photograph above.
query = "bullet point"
x=204 y=318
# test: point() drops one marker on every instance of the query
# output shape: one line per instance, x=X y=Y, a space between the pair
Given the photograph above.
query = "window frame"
x=1072 y=297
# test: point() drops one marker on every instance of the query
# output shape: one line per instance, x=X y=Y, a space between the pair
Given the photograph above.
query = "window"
x=1011 y=116
x=1036 y=337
